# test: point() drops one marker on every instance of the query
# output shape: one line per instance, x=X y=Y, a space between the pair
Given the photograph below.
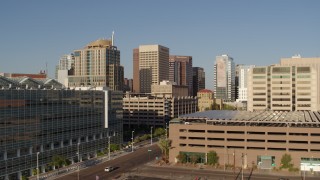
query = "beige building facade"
x=168 y=89
x=254 y=138
x=283 y=88
x=153 y=66
x=97 y=64
x=314 y=63
x=144 y=109
x=205 y=100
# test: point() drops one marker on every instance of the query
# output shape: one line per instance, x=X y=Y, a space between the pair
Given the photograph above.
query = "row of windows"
x=250 y=140
x=249 y=147
x=248 y=132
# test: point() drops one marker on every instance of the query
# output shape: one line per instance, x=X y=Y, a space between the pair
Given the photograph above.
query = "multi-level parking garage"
x=254 y=138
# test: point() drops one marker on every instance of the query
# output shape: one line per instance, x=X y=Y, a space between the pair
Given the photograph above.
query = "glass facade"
x=54 y=122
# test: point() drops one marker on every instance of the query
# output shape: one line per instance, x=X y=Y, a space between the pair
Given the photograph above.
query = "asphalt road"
x=122 y=164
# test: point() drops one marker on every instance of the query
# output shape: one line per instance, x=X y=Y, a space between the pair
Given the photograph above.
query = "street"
x=122 y=165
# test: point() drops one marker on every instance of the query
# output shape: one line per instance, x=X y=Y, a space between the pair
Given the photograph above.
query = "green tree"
x=213 y=158
x=114 y=147
x=100 y=153
x=228 y=107
x=182 y=157
x=286 y=161
x=165 y=145
x=24 y=178
x=58 y=161
x=159 y=132
x=34 y=171
x=194 y=158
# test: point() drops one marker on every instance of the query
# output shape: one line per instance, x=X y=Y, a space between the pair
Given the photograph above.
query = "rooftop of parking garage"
x=258 y=118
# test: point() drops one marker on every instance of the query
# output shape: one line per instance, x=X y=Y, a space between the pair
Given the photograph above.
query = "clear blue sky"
x=34 y=32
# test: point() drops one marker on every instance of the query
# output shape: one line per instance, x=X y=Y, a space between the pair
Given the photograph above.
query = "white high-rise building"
x=65 y=64
x=224 y=78
x=153 y=66
x=243 y=82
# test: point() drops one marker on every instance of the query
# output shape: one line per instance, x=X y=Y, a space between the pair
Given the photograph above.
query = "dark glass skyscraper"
x=199 y=80
x=39 y=116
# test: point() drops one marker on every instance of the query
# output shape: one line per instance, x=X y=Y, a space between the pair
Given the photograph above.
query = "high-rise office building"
x=98 y=64
x=180 y=71
x=313 y=62
x=66 y=62
x=127 y=85
x=136 y=78
x=40 y=120
x=63 y=69
x=199 y=79
x=224 y=78
x=153 y=66
x=283 y=88
x=242 y=71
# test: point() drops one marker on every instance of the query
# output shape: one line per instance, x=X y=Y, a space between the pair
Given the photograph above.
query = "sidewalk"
x=279 y=173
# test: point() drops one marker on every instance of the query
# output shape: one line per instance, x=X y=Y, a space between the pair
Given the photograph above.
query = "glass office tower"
x=53 y=122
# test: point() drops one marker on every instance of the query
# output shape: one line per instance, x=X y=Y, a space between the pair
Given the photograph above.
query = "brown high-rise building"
x=136 y=77
x=180 y=71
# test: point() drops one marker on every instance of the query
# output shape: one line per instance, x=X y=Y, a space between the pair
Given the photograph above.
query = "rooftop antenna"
x=112 y=38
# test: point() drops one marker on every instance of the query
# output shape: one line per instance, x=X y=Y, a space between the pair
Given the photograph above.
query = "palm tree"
x=165 y=145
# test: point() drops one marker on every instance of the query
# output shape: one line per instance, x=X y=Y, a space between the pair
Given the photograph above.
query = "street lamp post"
x=78 y=158
x=151 y=135
x=132 y=141
x=109 y=147
x=166 y=130
x=38 y=165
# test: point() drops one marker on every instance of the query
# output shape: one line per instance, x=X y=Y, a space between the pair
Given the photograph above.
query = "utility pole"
x=151 y=134
x=78 y=158
x=109 y=146
x=38 y=165
x=132 y=141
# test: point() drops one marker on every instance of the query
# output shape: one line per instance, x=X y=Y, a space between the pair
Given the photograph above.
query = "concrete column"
x=19 y=175
x=41 y=148
x=52 y=146
x=31 y=171
x=100 y=135
x=42 y=169
x=87 y=138
x=30 y=150
x=72 y=161
x=5 y=155
x=94 y=137
x=6 y=177
x=88 y=156
x=18 y=152
x=70 y=142
x=61 y=144
x=80 y=158
x=79 y=140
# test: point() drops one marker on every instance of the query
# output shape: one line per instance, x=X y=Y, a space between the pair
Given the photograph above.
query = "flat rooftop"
x=261 y=118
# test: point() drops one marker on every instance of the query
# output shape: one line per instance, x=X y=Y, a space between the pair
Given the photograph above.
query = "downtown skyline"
x=260 y=33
